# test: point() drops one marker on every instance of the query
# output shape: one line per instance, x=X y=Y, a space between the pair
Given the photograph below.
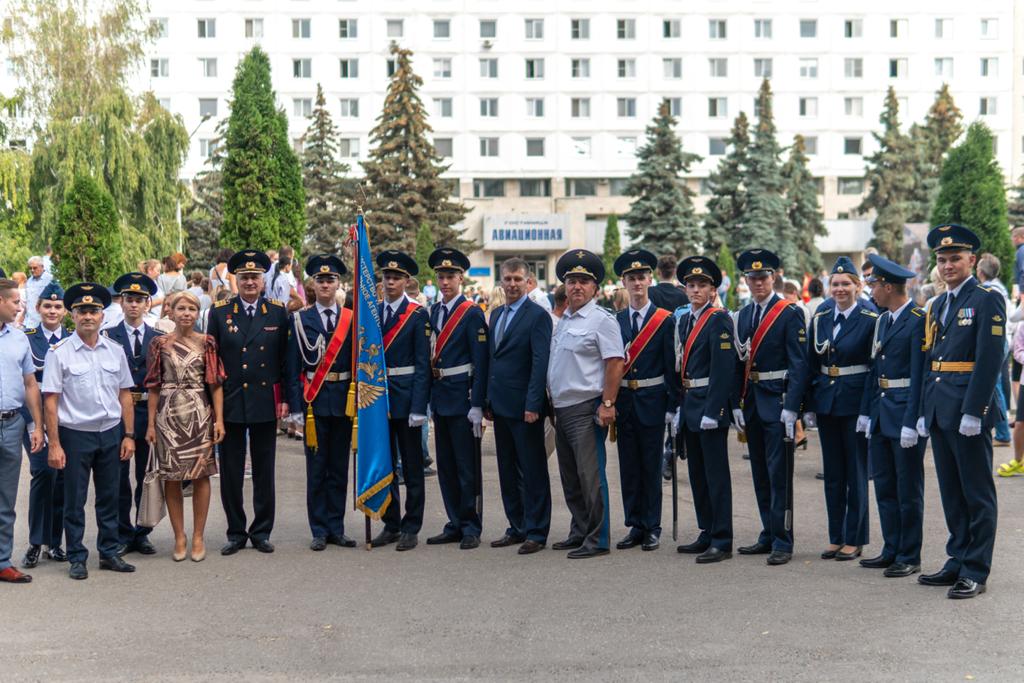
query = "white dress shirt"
x=88 y=380
x=580 y=345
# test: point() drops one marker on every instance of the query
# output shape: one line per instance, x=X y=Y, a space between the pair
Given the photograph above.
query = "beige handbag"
x=151 y=507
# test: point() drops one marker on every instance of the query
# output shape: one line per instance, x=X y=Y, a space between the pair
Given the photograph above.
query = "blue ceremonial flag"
x=372 y=440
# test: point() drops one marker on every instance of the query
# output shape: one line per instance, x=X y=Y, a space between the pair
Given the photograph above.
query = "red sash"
x=449 y=328
x=312 y=387
x=755 y=343
x=701 y=322
x=637 y=346
x=402 y=320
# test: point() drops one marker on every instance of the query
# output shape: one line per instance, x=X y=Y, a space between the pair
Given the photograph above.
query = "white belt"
x=696 y=383
x=756 y=376
x=901 y=383
x=332 y=376
x=454 y=370
x=399 y=372
x=642 y=383
x=836 y=371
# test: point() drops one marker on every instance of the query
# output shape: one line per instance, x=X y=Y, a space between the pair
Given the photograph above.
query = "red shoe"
x=12 y=575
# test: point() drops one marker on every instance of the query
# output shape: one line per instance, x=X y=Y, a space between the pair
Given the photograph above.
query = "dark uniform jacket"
x=518 y=366
x=137 y=365
x=839 y=395
x=898 y=356
x=408 y=394
x=667 y=295
x=330 y=400
x=39 y=346
x=450 y=396
x=658 y=359
x=712 y=356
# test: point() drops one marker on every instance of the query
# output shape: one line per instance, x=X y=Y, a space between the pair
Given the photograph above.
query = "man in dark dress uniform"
x=648 y=395
x=667 y=294
x=459 y=365
x=406 y=330
x=251 y=332
x=965 y=337
x=707 y=370
x=134 y=336
x=319 y=372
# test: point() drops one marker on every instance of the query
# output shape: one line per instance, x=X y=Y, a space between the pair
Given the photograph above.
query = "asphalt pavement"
x=438 y=612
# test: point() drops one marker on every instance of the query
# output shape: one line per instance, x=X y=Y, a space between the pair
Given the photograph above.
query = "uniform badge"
x=270 y=329
x=724 y=335
x=997 y=318
x=997 y=330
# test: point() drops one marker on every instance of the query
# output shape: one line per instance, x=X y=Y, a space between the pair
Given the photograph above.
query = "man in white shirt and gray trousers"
x=584 y=371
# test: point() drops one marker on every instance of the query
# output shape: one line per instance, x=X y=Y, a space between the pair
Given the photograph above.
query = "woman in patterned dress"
x=186 y=417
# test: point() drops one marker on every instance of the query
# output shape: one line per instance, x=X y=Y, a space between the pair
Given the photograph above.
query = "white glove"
x=908 y=437
x=476 y=416
x=675 y=421
x=810 y=420
x=416 y=420
x=708 y=423
x=670 y=418
x=863 y=424
x=922 y=431
x=295 y=418
x=737 y=419
x=970 y=425
x=788 y=418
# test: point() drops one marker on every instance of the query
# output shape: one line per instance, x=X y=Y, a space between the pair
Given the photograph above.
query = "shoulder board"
x=275 y=302
x=822 y=312
x=987 y=288
x=919 y=312
x=606 y=313
x=61 y=342
x=106 y=332
x=222 y=302
x=32 y=331
x=868 y=313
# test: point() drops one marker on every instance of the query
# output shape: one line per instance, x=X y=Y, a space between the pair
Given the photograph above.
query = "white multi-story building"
x=540 y=106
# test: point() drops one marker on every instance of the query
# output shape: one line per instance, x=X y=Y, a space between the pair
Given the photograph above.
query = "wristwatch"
x=608 y=403
x=129 y=435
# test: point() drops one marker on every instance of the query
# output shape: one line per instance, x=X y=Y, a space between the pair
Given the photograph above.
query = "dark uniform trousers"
x=410 y=448
x=261 y=438
x=768 y=468
x=45 y=498
x=844 y=463
x=126 y=530
x=523 y=476
x=97 y=453
x=898 y=475
x=707 y=460
x=579 y=443
x=456 y=473
x=640 y=456
x=327 y=475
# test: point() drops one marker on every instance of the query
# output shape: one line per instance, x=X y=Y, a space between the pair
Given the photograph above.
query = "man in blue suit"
x=134 y=336
x=897 y=451
x=965 y=337
x=459 y=366
x=648 y=395
x=318 y=371
x=46 y=490
x=519 y=346
x=406 y=330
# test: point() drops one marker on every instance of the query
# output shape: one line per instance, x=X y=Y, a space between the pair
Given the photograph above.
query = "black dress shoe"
x=713 y=555
x=695 y=548
x=582 y=553
x=31 y=558
x=630 y=540
x=262 y=544
x=529 y=547
x=78 y=571
x=318 y=543
x=384 y=538
x=943 y=577
x=567 y=544
x=443 y=538
x=879 y=562
x=829 y=554
x=900 y=569
x=507 y=540
x=846 y=557
x=407 y=542
x=143 y=546
x=777 y=557
x=469 y=542
x=115 y=563
x=651 y=542
x=122 y=549
x=755 y=549
x=55 y=554
x=965 y=588
x=342 y=541
x=232 y=547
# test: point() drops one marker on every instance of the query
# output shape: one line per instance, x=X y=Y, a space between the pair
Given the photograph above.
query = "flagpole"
x=353 y=388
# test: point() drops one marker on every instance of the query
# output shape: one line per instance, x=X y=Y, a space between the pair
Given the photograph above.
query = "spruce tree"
x=804 y=213
x=611 y=248
x=88 y=236
x=971 y=193
x=328 y=192
x=424 y=248
x=765 y=223
x=662 y=219
x=404 y=188
x=931 y=142
x=728 y=196
x=263 y=197
x=1015 y=206
x=892 y=181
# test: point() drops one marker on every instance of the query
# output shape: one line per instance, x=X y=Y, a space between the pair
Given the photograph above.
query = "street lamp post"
x=177 y=211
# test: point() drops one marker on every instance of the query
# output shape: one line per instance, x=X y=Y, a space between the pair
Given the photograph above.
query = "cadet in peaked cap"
x=845 y=266
x=757 y=262
x=635 y=260
x=398 y=262
x=321 y=265
x=888 y=271
x=446 y=258
x=134 y=283
x=701 y=267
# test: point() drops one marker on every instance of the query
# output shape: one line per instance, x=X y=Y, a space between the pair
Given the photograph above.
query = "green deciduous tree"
x=971 y=193
x=612 y=247
x=15 y=215
x=264 y=203
x=727 y=264
x=88 y=236
x=661 y=218
x=328 y=193
x=404 y=188
x=932 y=141
x=804 y=213
x=728 y=197
x=891 y=173
x=424 y=248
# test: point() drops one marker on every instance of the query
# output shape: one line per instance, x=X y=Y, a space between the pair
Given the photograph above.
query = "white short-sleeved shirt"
x=15 y=363
x=88 y=381
x=580 y=345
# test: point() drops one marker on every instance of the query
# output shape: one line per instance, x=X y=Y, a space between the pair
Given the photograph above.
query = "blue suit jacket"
x=974 y=331
x=899 y=356
x=330 y=400
x=712 y=356
x=518 y=366
x=136 y=365
x=840 y=396
x=450 y=396
x=783 y=348
x=408 y=394
x=658 y=358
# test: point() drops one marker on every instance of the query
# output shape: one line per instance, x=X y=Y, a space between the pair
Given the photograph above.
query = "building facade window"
x=579 y=107
x=350 y=107
x=852 y=145
x=442 y=67
x=489 y=67
x=625 y=29
x=348 y=68
x=718 y=67
x=625 y=107
x=579 y=29
x=535 y=107
x=395 y=28
x=716 y=146
x=206 y=28
x=987 y=106
x=442 y=29
x=158 y=67
x=808 y=107
x=535 y=68
x=853 y=28
x=671 y=28
x=718 y=107
x=347 y=28
x=302 y=68
x=348 y=148
x=207 y=107
x=488 y=28
x=443 y=147
x=208 y=67
x=763 y=28
x=763 y=67
x=534 y=147
x=808 y=28
x=443 y=107
x=850 y=186
x=534 y=29
x=302 y=107
x=489 y=147
x=489 y=107
x=853 y=67
x=488 y=187
x=672 y=68
x=809 y=67
x=898 y=67
x=626 y=68
x=580 y=187
x=535 y=187
x=254 y=27
x=717 y=29
x=944 y=67
x=853 y=106
x=580 y=67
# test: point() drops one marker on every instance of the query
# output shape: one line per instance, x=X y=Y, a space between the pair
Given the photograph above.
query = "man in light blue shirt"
x=17 y=387
x=34 y=285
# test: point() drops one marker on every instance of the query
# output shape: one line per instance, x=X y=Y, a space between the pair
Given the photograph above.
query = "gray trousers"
x=10 y=473
x=579 y=442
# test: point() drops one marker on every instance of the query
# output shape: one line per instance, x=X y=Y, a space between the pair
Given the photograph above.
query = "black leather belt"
x=8 y=414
